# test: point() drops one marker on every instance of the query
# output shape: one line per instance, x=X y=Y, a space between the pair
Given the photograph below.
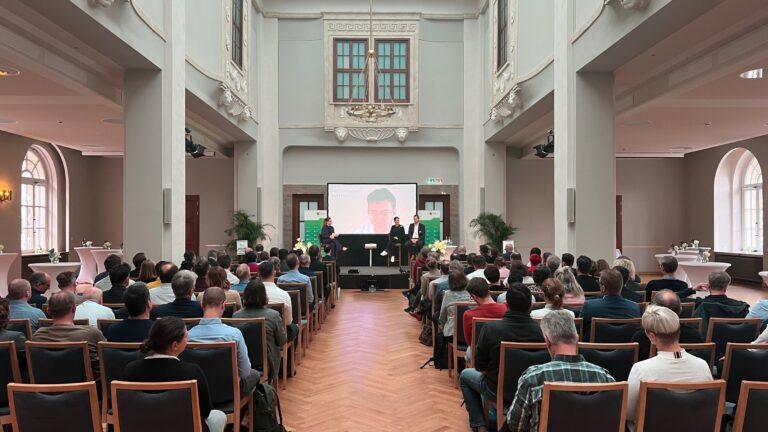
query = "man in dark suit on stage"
x=416 y=235
x=328 y=237
x=396 y=237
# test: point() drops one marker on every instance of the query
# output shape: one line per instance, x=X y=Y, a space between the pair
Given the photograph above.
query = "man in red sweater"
x=480 y=292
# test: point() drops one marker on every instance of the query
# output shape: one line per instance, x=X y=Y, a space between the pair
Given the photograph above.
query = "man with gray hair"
x=567 y=365
x=668 y=266
x=19 y=293
x=671 y=363
x=183 y=285
x=688 y=334
x=553 y=263
x=92 y=307
x=717 y=304
x=40 y=282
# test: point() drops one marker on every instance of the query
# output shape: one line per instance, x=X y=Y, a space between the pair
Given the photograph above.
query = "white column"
x=246 y=178
x=584 y=150
x=154 y=149
x=269 y=150
x=472 y=157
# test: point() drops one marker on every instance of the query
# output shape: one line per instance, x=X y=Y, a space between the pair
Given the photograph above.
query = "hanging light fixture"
x=370 y=112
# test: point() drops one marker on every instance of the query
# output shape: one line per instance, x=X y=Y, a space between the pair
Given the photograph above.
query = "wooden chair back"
x=722 y=331
x=616 y=358
x=22 y=325
x=72 y=360
x=76 y=405
x=601 y=406
x=255 y=335
x=103 y=324
x=514 y=359
x=661 y=403
x=751 y=415
x=743 y=362
x=612 y=330
x=113 y=358
x=47 y=322
x=178 y=401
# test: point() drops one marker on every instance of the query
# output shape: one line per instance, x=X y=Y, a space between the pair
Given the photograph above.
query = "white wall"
x=653 y=196
x=213 y=180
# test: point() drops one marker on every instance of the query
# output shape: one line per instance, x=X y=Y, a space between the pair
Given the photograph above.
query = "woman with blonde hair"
x=217 y=277
x=148 y=274
x=574 y=295
x=627 y=263
x=554 y=293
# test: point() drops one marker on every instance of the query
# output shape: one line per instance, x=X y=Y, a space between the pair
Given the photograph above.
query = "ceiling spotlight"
x=544 y=150
x=194 y=150
x=8 y=72
x=754 y=74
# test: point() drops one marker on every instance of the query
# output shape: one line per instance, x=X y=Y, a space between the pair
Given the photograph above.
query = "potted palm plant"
x=493 y=228
x=245 y=228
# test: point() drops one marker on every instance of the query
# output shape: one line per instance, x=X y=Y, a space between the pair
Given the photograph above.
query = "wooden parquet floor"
x=361 y=373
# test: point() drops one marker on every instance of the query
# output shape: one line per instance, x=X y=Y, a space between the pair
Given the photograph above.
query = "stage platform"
x=382 y=277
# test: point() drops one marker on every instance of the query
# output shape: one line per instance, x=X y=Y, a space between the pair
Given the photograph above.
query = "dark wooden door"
x=619 y=217
x=192 y=219
x=441 y=203
x=301 y=203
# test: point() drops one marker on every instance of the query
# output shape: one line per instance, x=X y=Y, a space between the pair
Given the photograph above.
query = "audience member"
x=567 y=260
x=138 y=260
x=243 y=273
x=91 y=308
x=553 y=292
x=316 y=265
x=168 y=339
x=478 y=264
x=148 y=274
x=567 y=365
x=518 y=273
x=480 y=292
x=9 y=335
x=602 y=265
x=217 y=277
x=201 y=268
x=671 y=363
x=183 y=286
x=502 y=266
x=611 y=305
x=539 y=275
x=137 y=326
x=225 y=262
x=119 y=275
x=493 y=277
x=330 y=258
x=164 y=293
x=276 y=294
x=509 y=248
x=668 y=267
x=553 y=264
x=574 y=295
x=626 y=292
x=544 y=257
x=67 y=281
x=212 y=329
x=633 y=284
x=457 y=292
x=688 y=334
x=189 y=260
x=587 y=282
x=760 y=309
x=534 y=251
x=250 y=259
x=62 y=308
x=283 y=254
x=274 y=251
x=101 y=281
x=40 y=282
x=535 y=260
x=255 y=301
x=421 y=258
x=460 y=254
x=294 y=276
x=516 y=325
x=19 y=293
x=717 y=304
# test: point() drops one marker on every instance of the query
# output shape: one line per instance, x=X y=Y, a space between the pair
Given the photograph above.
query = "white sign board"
x=242 y=245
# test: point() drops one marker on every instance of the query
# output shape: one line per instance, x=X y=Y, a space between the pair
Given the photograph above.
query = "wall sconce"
x=5 y=195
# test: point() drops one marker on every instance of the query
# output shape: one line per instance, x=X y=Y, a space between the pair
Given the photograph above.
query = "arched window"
x=752 y=206
x=738 y=211
x=37 y=200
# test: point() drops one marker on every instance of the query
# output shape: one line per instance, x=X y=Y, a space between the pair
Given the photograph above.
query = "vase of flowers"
x=705 y=257
x=300 y=245
x=438 y=247
x=2 y=248
x=107 y=245
x=54 y=256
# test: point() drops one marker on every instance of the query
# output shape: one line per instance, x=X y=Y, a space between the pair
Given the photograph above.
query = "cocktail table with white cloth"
x=100 y=254
x=698 y=272
x=680 y=273
x=53 y=270
x=6 y=259
x=764 y=276
x=87 y=264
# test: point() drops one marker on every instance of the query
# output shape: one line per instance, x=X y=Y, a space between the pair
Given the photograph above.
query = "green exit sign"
x=434 y=181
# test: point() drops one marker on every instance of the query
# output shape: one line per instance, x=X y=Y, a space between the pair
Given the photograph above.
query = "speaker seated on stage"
x=396 y=237
x=416 y=235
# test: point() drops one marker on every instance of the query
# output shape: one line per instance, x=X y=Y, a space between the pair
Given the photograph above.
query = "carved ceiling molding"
x=101 y=3
x=511 y=103
x=233 y=105
x=371 y=134
x=630 y=4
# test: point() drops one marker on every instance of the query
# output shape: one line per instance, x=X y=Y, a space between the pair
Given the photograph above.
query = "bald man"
x=19 y=293
x=92 y=308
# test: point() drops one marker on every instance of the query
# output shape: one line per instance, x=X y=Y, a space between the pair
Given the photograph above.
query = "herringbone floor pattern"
x=361 y=373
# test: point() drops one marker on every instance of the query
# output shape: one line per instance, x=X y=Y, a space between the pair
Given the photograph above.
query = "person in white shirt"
x=671 y=362
x=164 y=293
x=276 y=294
x=553 y=297
x=91 y=307
x=479 y=263
x=225 y=262
x=105 y=284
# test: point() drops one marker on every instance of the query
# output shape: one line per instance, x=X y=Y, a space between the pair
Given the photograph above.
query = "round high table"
x=680 y=273
x=6 y=259
x=87 y=264
x=54 y=270
x=764 y=276
x=698 y=272
x=100 y=254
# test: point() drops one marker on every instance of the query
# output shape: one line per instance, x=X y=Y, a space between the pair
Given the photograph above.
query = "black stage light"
x=544 y=150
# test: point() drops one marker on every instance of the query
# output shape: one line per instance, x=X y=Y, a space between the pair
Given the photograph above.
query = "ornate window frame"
x=503 y=77
x=236 y=77
x=385 y=27
x=48 y=201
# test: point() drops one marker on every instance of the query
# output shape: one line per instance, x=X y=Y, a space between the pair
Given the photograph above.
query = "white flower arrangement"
x=696 y=244
x=107 y=245
x=705 y=257
x=54 y=256
x=685 y=246
x=2 y=248
x=301 y=246
x=89 y=244
x=675 y=250
x=438 y=246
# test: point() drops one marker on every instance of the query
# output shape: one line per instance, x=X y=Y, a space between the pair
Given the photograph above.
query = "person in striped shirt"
x=567 y=365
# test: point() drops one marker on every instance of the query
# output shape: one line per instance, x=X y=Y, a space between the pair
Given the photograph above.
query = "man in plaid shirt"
x=566 y=366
